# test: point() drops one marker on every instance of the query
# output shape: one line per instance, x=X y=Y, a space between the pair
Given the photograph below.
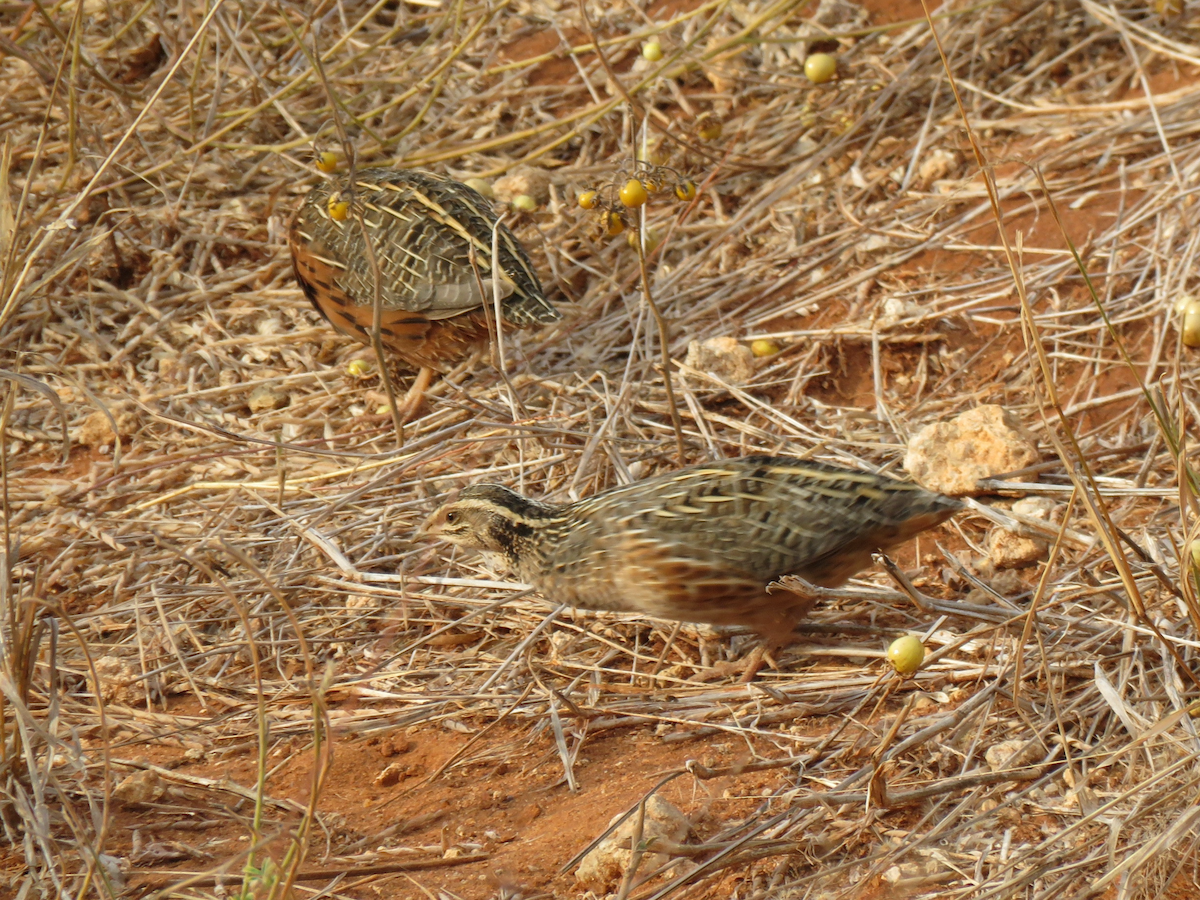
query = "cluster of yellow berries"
x=614 y=200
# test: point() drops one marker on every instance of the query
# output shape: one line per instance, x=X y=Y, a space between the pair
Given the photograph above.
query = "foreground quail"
x=422 y=229
x=700 y=544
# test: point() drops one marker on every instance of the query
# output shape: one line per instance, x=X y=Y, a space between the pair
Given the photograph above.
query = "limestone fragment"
x=1013 y=551
x=1009 y=550
x=525 y=180
x=264 y=398
x=983 y=442
x=115 y=681
x=97 y=429
x=140 y=787
x=724 y=357
x=1010 y=754
x=605 y=866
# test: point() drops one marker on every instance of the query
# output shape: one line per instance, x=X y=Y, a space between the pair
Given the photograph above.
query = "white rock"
x=952 y=456
x=97 y=429
x=937 y=164
x=523 y=180
x=140 y=787
x=1008 y=550
x=605 y=866
x=264 y=398
x=115 y=681
x=893 y=310
x=873 y=243
x=1009 y=754
x=269 y=325
x=1013 y=551
x=723 y=357
x=1036 y=508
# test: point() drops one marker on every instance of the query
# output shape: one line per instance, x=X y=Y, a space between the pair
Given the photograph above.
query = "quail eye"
x=451 y=517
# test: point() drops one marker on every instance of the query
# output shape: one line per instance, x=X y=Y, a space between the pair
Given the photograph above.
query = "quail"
x=700 y=544
x=423 y=230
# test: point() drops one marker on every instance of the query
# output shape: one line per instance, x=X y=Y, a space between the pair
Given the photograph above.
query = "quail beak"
x=428 y=530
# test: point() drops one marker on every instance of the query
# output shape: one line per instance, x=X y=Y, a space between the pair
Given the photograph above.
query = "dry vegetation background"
x=228 y=671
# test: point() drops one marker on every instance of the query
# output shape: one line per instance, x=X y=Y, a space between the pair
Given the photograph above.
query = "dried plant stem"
x=664 y=346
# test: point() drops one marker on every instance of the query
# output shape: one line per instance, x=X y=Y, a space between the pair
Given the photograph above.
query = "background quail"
x=700 y=544
x=422 y=228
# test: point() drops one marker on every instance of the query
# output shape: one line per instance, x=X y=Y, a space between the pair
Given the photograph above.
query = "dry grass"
x=228 y=577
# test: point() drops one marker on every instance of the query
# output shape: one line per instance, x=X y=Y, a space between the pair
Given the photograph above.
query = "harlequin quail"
x=700 y=544
x=423 y=230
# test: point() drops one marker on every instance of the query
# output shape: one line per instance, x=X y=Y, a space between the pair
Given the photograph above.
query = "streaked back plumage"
x=423 y=230
x=700 y=544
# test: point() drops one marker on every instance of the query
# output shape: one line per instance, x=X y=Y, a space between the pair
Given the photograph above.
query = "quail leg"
x=415 y=394
x=776 y=630
x=763 y=653
x=776 y=633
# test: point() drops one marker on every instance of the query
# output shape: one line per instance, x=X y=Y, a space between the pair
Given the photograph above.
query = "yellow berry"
x=327 y=162
x=686 y=191
x=613 y=223
x=710 y=129
x=481 y=187
x=357 y=368
x=653 y=239
x=588 y=200
x=633 y=194
x=820 y=67
x=764 y=347
x=906 y=654
x=1191 y=323
x=652 y=50
x=524 y=202
x=339 y=209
